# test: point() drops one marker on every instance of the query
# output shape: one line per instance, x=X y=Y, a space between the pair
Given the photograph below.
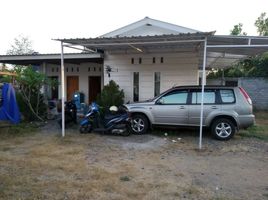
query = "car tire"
x=139 y=124
x=223 y=129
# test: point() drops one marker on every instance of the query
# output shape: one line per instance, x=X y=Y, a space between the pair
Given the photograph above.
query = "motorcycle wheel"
x=126 y=132
x=84 y=129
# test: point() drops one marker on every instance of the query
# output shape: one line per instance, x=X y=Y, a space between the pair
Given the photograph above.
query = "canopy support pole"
x=202 y=94
x=62 y=93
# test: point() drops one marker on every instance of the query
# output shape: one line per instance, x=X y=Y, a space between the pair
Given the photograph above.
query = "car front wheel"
x=223 y=129
x=139 y=124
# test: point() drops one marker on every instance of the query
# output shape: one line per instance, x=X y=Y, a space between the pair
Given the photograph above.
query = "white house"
x=144 y=71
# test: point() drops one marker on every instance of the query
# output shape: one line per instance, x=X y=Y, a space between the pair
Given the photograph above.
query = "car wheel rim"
x=223 y=130
x=138 y=125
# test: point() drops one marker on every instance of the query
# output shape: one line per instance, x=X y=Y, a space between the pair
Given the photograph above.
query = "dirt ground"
x=152 y=166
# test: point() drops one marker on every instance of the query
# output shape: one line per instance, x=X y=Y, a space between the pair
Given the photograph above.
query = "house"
x=145 y=58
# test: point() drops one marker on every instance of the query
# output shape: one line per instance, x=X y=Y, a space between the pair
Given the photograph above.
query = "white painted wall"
x=84 y=73
x=177 y=69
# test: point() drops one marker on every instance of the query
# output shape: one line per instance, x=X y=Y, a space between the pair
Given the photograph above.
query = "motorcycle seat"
x=111 y=116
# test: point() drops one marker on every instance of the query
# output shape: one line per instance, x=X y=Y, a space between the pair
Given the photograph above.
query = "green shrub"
x=111 y=95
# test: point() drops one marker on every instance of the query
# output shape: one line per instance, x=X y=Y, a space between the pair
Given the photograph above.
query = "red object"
x=245 y=94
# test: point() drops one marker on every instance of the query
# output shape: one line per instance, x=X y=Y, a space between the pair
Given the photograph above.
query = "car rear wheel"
x=223 y=129
x=139 y=124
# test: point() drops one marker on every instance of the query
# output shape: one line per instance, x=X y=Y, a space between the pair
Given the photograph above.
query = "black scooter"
x=70 y=113
x=116 y=122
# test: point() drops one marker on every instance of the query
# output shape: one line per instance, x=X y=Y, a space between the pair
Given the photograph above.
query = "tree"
x=262 y=25
x=237 y=30
x=111 y=95
x=21 y=45
x=30 y=83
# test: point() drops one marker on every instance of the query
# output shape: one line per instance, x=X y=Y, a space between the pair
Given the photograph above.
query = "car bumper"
x=246 y=121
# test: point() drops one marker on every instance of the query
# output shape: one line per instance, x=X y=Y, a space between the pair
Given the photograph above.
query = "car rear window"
x=227 y=96
x=209 y=97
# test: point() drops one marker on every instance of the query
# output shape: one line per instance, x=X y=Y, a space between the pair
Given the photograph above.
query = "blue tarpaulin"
x=9 y=110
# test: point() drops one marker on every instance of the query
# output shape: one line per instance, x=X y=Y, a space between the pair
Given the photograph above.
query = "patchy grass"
x=260 y=130
x=94 y=166
x=21 y=129
x=124 y=178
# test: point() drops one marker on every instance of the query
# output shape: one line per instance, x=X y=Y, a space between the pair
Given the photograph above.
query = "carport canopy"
x=216 y=51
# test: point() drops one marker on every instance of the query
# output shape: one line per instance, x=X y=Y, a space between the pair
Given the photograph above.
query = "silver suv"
x=226 y=109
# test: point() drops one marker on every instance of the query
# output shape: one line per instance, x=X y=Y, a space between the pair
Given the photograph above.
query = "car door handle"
x=214 y=107
x=182 y=107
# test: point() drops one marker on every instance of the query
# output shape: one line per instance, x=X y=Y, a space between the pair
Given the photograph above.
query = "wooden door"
x=72 y=86
x=94 y=87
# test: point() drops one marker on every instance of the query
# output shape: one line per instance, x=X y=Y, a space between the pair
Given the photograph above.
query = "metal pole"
x=202 y=94
x=62 y=93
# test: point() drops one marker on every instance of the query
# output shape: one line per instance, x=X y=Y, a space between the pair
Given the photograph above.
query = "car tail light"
x=245 y=94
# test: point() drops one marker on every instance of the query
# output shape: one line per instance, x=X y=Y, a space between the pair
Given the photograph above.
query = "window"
x=140 y=60
x=153 y=59
x=132 y=60
x=136 y=86
x=162 y=60
x=156 y=83
x=177 y=97
x=77 y=69
x=227 y=96
x=209 y=97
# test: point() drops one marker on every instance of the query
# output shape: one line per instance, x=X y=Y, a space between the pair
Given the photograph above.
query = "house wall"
x=176 y=69
x=83 y=73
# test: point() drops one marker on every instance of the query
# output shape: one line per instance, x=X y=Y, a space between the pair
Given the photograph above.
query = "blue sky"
x=43 y=20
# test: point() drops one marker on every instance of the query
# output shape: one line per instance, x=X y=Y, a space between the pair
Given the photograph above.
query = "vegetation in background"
x=262 y=25
x=111 y=95
x=21 y=45
x=237 y=30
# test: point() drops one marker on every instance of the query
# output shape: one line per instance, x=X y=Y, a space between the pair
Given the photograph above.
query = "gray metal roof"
x=222 y=50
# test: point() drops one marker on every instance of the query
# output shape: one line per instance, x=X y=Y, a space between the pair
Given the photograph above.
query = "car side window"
x=209 y=97
x=175 y=97
x=227 y=96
